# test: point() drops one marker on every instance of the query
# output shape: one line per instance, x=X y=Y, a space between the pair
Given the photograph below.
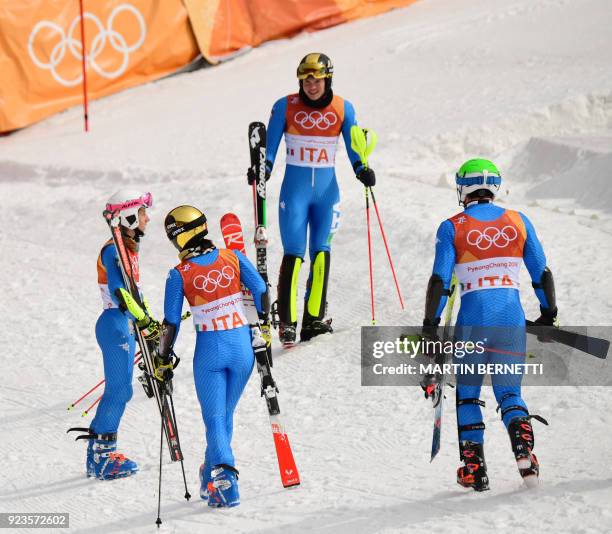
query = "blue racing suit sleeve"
x=276 y=128
x=173 y=300
x=110 y=260
x=534 y=258
x=350 y=121
x=445 y=259
x=251 y=279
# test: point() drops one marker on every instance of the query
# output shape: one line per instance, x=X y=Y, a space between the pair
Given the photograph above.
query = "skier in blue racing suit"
x=115 y=335
x=311 y=121
x=485 y=246
x=210 y=280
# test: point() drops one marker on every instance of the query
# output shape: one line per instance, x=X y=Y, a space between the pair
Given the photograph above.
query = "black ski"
x=257 y=149
x=594 y=346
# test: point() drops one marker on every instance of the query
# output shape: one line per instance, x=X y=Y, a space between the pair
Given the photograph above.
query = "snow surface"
x=527 y=83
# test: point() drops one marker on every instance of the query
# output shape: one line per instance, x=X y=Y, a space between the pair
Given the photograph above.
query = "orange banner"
x=225 y=27
x=127 y=43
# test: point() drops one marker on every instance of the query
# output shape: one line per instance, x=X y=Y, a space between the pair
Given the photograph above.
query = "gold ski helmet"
x=316 y=65
x=185 y=227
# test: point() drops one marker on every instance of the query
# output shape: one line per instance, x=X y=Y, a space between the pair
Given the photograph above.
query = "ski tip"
x=84 y=413
x=70 y=407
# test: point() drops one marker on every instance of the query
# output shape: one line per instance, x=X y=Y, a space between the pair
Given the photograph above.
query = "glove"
x=547 y=317
x=149 y=328
x=252 y=175
x=163 y=369
x=430 y=329
x=266 y=333
x=367 y=177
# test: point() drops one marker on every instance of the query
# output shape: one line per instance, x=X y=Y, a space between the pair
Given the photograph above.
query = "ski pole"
x=86 y=394
x=382 y=231
x=138 y=357
x=136 y=360
x=367 y=199
x=94 y=403
x=158 y=521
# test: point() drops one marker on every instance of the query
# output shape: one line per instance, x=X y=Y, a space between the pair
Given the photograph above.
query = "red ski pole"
x=382 y=231
x=367 y=199
x=95 y=402
x=136 y=360
x=86 y=394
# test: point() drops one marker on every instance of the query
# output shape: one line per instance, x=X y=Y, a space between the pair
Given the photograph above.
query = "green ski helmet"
x=477 y=174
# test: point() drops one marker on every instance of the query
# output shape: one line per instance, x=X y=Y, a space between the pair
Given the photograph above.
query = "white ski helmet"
x=128 y=203
x=477 y=174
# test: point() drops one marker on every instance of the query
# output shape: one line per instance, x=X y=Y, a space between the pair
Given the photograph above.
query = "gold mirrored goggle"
x=317 y=71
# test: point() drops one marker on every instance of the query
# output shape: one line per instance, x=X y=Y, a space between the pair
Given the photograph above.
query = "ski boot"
x=205 y=479
x=473 y=474
x=223 y=488
x=522 y=441
x=103 y=462
x=312 y=327
x=287 y=334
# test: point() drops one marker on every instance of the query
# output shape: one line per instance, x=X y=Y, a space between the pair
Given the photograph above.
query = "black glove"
x=547 y=317
x=252 y=175
x=367 y=177
x=430 y=329
x=163 y=368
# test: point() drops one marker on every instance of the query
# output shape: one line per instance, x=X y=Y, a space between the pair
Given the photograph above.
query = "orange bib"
x=489 y=253
x=107 y=301
x=213 y=292
x=311 y=135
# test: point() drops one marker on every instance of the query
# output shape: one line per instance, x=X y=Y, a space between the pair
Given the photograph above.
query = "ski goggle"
x=145 y=201
x=316 y=70
x=489 y=179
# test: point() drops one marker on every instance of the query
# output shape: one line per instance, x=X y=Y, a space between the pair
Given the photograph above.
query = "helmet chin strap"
x=484 y=200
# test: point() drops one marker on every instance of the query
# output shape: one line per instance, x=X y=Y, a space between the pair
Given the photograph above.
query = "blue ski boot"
x=103 y=460
x=223 y=489
x=205 y=479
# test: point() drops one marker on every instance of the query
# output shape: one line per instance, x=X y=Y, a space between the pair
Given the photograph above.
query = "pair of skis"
x=233 y=237
x=161 y=391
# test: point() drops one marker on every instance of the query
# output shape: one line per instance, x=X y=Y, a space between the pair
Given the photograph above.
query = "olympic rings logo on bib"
x=315 y=119
x=492 y=237
x=214 y=279
x=105 y=35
